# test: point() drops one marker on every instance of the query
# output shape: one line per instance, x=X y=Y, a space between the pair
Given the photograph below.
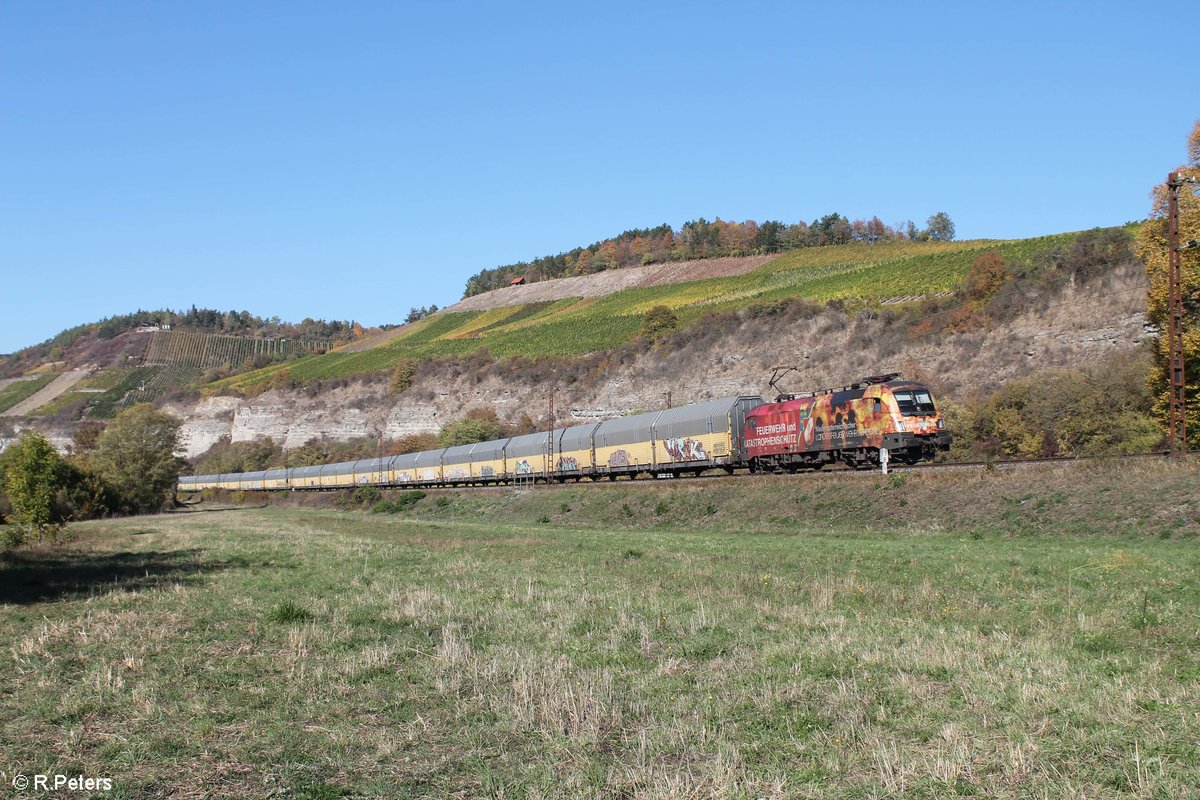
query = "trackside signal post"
x=1176 y=418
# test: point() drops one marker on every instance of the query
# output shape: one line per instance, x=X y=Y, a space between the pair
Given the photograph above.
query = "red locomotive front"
x=849 y=424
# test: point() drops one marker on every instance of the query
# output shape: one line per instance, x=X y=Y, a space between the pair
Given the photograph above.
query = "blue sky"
x=352 y=160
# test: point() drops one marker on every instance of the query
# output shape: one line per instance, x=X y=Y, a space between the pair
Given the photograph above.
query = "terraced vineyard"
x=854 y=273
x=175 y=359
x=205 y=350
x=132 y=388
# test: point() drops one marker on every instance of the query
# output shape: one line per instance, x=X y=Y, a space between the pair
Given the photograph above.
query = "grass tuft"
x=288 y=612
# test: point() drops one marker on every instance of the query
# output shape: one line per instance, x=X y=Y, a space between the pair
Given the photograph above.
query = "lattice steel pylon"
x=1176 y=416
x=550 y=465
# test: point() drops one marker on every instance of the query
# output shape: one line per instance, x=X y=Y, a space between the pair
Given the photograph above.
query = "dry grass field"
x=640 y=641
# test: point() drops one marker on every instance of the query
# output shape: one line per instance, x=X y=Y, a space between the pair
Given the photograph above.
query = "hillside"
x=1095 y=327
x=836 y=312
x=98 y=376
x=577 y=316
x=702 y=239
x=598 y=284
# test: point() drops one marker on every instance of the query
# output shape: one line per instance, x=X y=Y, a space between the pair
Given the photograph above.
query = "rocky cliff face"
x=1093 y=325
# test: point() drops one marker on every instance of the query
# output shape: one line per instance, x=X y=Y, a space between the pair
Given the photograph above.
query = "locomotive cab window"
x=912 y=403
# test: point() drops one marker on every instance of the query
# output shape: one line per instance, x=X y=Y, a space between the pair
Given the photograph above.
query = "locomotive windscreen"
x=915 y=402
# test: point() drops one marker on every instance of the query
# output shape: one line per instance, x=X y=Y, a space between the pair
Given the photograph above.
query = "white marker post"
x=884 y=455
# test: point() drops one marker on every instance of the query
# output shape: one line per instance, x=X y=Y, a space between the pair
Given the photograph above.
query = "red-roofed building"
x=517 y=281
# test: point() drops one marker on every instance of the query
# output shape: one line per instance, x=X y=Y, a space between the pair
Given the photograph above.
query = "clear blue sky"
x=351 y=160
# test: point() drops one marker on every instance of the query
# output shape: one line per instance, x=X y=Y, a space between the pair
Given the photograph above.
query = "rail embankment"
x=1122 y=497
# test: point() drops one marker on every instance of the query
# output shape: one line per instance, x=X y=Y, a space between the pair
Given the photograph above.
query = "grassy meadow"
x=1033 y=634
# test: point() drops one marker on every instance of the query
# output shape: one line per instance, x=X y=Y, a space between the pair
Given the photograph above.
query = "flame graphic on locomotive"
x=849 y=424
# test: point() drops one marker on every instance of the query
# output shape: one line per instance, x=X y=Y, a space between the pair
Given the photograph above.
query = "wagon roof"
x=718 y=409
x=369 y=464
x=529 y=444
x=576 y=437
x=491 y=450
x=460 y=452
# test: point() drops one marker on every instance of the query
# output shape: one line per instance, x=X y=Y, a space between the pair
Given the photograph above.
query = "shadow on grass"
x=37 y=577
x=186 y=508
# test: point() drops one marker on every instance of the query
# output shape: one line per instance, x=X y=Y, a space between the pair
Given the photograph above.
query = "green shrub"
x=1068 y=412
x=406 y=500
x=11 y=536
x=402 y=502
x=479 y=425
x=366 y=495
x=657 y=321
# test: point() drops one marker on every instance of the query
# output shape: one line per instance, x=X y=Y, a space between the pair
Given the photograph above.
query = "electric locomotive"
x=849 y=424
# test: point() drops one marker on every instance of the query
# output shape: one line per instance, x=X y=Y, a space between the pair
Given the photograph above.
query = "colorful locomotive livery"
x=850 y=425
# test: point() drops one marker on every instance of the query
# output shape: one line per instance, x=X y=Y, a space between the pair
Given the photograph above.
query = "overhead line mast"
x=1176 y=411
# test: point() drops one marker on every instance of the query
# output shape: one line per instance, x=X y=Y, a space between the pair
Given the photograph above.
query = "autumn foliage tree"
x=1047 y=415
x=479 y=425
x=403 y=375
x=987 y=275
x=657 y=321
x=136 y=457
x=1152 y=249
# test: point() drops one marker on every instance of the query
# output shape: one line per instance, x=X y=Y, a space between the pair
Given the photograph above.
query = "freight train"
x=850 y=425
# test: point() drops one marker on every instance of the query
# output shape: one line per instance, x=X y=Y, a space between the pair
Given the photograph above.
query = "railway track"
x=836 y=472
x=948 y=466
x=1022 y=462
